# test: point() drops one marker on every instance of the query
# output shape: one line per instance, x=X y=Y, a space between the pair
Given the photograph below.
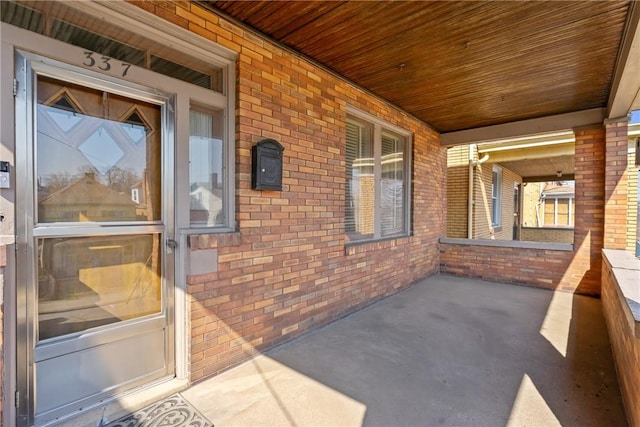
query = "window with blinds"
x=376 y=181
x=392 y=185
x=360 y=185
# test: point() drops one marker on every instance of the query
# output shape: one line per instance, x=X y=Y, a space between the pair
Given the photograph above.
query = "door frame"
x=27 y=66
x=164 y=33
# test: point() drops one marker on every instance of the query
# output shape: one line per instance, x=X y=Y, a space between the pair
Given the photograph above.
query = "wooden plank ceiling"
x=456 y=65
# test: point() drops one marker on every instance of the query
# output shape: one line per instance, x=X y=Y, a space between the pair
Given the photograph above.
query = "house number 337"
x=105 y=63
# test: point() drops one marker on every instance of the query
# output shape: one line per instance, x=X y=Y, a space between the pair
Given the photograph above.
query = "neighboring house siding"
x=530 y=199
x=632 y=197
x=287 y=270
x=482 y=206
x=457 y=189
x=555 y=235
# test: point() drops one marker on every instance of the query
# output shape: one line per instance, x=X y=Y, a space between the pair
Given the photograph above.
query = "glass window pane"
x=86 y=282
x=77 y=36
x=98 y=155
x=392 y=185
x=549 y=212
x=172 y=69
x=496 y=195
x=21 y=16
x=206 y=168
x=360 y=182
x=563 y=212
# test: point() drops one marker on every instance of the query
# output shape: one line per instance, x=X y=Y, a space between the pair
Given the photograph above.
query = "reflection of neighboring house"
x=86 y=199
x=138 y=196
x=206 y=205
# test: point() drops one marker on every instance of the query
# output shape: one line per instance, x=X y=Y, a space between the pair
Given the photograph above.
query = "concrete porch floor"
x=446 y=352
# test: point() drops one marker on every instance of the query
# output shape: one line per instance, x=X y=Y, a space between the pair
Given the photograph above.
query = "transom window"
x=76 y=29
x=377 y=179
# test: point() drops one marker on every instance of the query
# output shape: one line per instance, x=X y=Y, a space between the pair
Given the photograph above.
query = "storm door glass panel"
x=97 y=155
x=360 y=182
x=206 y=172
x=86 y=282
x=392 y=185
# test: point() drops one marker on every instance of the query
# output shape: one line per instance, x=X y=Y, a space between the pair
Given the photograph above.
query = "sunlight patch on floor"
x=530 y=408
x=266 y=392
x=557 y=322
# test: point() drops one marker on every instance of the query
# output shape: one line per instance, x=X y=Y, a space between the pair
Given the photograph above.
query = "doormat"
x=173 y=411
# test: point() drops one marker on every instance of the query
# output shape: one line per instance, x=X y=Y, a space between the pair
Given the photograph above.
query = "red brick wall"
x=457 y=190
x=625 y=344
x=287 y=270
x=616 y=185
x=575 y=271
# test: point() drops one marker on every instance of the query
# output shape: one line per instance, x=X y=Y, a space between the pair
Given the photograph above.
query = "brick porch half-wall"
x=575 y=271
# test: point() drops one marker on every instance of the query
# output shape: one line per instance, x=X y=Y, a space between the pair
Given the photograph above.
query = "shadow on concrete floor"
x=445 y=352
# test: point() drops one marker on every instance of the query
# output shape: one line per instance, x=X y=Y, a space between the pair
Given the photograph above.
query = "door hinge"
x=17 y=399
x=15 y=87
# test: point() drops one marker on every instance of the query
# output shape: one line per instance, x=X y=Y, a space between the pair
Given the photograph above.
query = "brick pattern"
x=625 y=346
x=287 y=269
x=616 y=180
x=632 y=197
x=573 y=271
x=551 y=235
x=457 y=188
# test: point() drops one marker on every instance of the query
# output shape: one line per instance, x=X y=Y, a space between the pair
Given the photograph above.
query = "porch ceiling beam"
x=556 y=123
x=531 y=153
x=625 y=88
x=545 y=178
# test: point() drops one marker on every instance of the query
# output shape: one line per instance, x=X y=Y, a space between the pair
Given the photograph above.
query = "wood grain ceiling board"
x=456 y=65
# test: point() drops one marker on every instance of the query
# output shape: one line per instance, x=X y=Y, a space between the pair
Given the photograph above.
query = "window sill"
x=212 y=239
x=509 y=244
x=626 y=270
x=358 y=247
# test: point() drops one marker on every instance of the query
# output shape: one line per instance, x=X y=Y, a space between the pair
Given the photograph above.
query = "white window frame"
x=379 y=127
x=496 y=196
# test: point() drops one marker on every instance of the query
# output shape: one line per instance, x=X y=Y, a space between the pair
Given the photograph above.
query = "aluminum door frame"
x=26 y=66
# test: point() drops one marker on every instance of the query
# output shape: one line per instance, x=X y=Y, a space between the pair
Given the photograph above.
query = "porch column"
x=616 y=179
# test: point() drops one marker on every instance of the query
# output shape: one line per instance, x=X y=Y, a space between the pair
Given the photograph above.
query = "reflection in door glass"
x=98 y=155
x=85 y=282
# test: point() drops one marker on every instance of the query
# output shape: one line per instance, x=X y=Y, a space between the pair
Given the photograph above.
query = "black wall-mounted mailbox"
x=266 y=158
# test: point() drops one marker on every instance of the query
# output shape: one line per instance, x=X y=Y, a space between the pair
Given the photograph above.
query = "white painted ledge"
x=509 y=244
x=626 y=270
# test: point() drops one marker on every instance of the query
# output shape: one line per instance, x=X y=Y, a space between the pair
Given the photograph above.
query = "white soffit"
x=625 y=89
